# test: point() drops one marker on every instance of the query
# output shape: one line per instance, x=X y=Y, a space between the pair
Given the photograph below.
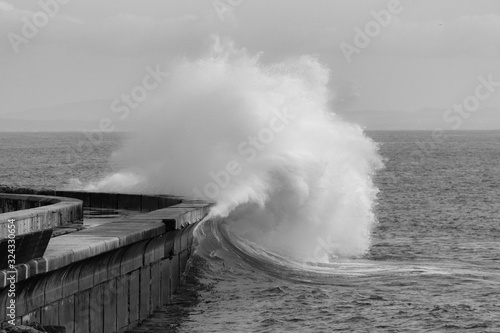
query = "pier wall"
x=37 y=212
x=110 y=277
x=9 y=203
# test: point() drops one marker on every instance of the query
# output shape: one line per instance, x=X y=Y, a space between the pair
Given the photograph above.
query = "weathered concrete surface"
x=12 y=203
x=111 y=277
x=26 y=247
x=48 y=213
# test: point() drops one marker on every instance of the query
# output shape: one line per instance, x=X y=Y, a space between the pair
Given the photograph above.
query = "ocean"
x=432 y=264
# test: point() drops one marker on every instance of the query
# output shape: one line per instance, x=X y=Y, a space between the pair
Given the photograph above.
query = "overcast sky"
x=430 y=55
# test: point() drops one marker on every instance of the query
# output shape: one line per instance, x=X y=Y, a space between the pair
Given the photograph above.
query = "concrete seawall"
x=37 y=212
x=110 y=277
x=11 y=203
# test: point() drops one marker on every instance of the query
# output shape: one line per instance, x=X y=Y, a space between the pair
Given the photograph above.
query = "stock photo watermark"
x=224 y=8
x=11 y=273
x=483 y=91
x=456 y=115
x=31 y=26
x=363 y=37
x=121 y=106
x=249 y=149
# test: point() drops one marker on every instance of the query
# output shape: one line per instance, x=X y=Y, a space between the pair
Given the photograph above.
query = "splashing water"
x=262 y=142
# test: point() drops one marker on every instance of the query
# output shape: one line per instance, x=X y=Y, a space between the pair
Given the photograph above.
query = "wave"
x=227 y=253
x=262 y=142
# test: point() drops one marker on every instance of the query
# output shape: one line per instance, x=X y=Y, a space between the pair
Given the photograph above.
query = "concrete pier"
x=106 y=278
x=37 y=212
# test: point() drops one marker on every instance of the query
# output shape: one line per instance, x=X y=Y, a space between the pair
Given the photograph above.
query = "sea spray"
x=262 y=142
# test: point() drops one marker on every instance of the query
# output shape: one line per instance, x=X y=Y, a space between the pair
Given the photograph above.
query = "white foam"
x=307 y=191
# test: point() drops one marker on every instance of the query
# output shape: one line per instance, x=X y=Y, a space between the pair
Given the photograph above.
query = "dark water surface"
x=434 y=263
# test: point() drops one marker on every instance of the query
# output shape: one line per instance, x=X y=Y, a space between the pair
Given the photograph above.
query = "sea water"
x=432 y=263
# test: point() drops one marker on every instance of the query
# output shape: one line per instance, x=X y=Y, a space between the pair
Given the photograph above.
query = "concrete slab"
x=122 y=312
x=129 y=201
x=155 y=285
x=134 y=296
x=33 y=295
x=67 y=313
x=166 y=288
x=81 y=195
x=149 y=203
x=96 y=309
x=145 y=292
x=166 y=201
x=82 y=312
x=54 y=287
x=133 y=258
x=104 y=200
x=50 y=314
x=31 y=317
x=141 y=272
x=109 y=311
x=127 y=232
x=70 y=280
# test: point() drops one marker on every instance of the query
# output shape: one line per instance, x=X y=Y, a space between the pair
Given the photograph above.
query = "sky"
x=420 y=57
